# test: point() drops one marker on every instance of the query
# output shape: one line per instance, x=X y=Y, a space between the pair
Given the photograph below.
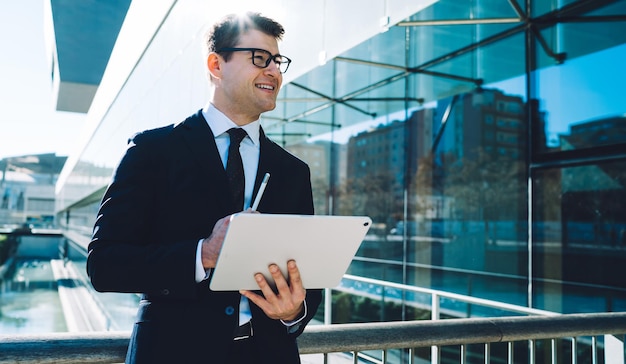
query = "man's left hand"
x=287 y=303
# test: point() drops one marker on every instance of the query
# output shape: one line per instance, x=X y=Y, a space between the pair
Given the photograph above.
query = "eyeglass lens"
x=262 y=58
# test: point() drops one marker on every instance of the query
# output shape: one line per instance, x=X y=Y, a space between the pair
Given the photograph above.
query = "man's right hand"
x=212 y=245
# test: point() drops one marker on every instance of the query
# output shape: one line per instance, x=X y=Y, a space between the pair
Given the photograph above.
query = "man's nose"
x=274 y=66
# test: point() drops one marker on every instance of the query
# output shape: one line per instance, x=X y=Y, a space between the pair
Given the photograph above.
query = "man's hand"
x=212 y=245
x=287 y=304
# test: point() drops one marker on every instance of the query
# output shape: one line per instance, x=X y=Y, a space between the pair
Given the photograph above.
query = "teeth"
x=267 y=87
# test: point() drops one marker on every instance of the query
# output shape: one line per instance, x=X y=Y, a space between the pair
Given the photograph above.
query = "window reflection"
x=445 y=181
x=579 y=237
x=584 y=102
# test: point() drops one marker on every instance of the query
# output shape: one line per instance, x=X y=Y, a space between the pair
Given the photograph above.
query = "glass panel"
x=579 y=237
x=618 y=7
x=455 y=9
x=438 y=164
x=546 y=6
x=470 y=195
x=493 y=62
x=582 y=99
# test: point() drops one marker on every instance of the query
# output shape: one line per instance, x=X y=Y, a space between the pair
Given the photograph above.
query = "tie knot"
x=236 y=135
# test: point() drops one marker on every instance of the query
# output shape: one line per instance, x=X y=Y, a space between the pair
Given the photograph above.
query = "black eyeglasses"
x=262 y=58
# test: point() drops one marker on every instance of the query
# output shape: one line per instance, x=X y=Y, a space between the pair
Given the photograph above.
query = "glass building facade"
x=486 y=138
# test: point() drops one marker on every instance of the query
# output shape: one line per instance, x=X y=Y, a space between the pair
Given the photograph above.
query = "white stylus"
x=260 y=193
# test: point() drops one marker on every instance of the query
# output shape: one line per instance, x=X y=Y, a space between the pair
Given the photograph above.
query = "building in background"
x=486 y=140
x=79 y=49
x=27 y=189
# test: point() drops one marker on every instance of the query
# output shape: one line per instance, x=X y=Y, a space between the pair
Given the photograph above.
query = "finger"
x=295 y=281
x=262 y=301
x=280 y=281
x=277 y=276
x=265 y=287
x=255 y=298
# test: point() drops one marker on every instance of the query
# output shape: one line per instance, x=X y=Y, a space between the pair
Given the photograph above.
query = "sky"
x=29 y=123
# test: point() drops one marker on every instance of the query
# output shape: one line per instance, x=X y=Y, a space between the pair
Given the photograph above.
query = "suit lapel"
x=199 y=138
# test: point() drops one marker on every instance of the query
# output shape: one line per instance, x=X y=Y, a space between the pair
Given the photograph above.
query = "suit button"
x=229 y=310
x=165 y=292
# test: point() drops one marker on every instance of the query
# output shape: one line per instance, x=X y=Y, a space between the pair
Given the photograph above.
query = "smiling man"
x=177 y=185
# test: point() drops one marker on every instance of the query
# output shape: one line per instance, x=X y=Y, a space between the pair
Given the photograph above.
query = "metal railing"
x=392 y=342
x=110 y=347
x=438 y=295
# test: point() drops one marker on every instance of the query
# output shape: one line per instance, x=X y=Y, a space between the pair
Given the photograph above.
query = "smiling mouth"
x=265 y=87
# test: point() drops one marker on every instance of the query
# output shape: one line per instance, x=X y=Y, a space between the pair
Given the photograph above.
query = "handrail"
x=425 y=333
x=110 y=347
x=454 y=296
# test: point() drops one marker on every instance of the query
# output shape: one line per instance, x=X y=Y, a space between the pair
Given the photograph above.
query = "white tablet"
x=322 y=246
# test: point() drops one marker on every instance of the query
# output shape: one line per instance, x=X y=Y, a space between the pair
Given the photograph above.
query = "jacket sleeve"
x=124 y=254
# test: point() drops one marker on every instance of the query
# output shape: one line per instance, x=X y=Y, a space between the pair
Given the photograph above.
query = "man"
x=164 y=216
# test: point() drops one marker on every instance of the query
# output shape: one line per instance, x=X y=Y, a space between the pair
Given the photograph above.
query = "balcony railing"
x=579 y=338
x=518 y=334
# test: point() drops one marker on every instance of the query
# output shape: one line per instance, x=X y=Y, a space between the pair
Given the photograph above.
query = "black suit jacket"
x=166 y=194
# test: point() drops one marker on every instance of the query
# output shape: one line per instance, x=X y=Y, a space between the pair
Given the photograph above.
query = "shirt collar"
x=220 y=123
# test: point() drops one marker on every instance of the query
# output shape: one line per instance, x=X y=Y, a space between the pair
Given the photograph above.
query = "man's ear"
x=214 y=65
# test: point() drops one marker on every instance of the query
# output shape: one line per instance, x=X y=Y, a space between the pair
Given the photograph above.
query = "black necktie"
x=234 y=166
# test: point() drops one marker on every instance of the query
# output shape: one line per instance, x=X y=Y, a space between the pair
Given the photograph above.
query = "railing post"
x=594 y=350
x=463 y=354
x=434 y=350
x=435 y=307
x=434 y=353
x=328 y=306
x=614 y=349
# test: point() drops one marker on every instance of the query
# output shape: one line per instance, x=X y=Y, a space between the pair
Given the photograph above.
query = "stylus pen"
x=261 y=190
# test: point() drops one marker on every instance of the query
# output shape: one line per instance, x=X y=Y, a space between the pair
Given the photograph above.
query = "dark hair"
x=226 y=32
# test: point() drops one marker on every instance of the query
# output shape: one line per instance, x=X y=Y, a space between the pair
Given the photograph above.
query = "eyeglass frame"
x=272 y=57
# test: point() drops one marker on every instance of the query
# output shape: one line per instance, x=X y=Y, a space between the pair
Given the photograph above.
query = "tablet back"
x=322 y=246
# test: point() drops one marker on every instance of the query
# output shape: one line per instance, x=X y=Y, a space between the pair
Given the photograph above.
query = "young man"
x=164 y=216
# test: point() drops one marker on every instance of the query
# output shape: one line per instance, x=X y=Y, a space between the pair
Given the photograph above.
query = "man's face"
x=244 y=91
